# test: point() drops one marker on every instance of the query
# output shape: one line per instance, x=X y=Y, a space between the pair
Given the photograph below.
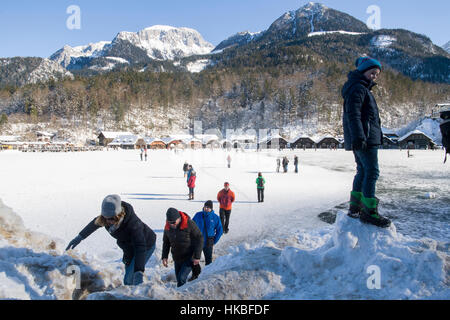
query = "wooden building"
x=328 y=142
x=303 y=142
x=106 y=137
x=416 y=140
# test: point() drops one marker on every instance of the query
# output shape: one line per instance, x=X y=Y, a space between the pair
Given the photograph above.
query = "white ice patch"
x=382 y=41
x=197 y=66
x=321 y=33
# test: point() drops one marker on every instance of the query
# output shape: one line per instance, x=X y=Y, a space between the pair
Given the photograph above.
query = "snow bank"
x=34 y=266
x=343 y=267
x=338 y=262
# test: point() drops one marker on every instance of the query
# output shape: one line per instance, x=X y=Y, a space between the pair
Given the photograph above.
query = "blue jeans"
x=182 y=270
x=208 y=252
x=367 y=171
x=129 y=270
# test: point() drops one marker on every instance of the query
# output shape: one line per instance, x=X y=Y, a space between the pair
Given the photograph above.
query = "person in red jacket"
x=191 y=184
x=226 y=198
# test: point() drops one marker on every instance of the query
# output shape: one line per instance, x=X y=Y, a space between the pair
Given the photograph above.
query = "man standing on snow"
x=184 y=239
x=363 y=135
x=211 y=227
x=278 y=164
x=226 y=198
x=296 y=163
x=133 y=236
x=260 y=182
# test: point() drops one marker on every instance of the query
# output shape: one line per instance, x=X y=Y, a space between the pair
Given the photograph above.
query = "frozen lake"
x=59 y=193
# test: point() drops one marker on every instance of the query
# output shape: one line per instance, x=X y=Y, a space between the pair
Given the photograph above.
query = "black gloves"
x=359 y=145
x=74 y=242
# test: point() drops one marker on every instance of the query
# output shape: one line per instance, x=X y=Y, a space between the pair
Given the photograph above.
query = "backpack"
x=445 y=130
x=260 y=182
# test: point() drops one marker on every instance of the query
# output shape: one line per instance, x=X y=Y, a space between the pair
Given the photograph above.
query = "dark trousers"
x=296 y=168
x=208 y=252
x=260 y=194
x=367 y=171
x=182 y=270
x=225 y=218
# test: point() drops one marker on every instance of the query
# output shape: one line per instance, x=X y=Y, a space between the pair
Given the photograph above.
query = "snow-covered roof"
x=9 y=138
x=149 y=140
x=302 y=136
x=125 y=140
x=114 y=134
x=327 y=137
x=411 y=133
x=45 y=133
x=388 y=131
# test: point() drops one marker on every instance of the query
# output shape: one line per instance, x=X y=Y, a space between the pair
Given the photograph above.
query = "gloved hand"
x=138 y=278
x=126 y=261
x=74 y=242
x=359 y=145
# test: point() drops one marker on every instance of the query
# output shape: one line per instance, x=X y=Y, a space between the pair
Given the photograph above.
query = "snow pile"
x=343 y=268
x=34 y=266
x=349 y=260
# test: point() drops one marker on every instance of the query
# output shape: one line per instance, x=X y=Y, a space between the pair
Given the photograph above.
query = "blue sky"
x=38 y=28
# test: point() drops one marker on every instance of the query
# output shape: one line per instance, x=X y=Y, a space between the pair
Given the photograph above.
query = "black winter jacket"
x=133 y=236
x=185 y=242
x=361 y=119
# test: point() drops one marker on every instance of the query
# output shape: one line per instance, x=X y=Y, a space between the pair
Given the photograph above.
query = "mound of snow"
x=343 y=267
x=34 y=266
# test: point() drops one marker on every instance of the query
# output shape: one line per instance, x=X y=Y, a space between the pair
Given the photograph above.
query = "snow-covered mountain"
x=312 y=17
x=446 y=47
x=21 y=71
x=157 y=43
x=238 y=39
x=65 y=55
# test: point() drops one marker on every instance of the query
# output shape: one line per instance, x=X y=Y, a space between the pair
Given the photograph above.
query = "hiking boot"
x=355 y=204
x=369 y=213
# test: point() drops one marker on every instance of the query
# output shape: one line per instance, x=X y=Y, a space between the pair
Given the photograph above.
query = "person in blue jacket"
x=211 y=227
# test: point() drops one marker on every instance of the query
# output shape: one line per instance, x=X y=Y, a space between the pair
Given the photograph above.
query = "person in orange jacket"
x=226 y=198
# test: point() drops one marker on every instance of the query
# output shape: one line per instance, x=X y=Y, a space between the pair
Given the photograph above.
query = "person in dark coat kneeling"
x=184 y=239
x=135 y=238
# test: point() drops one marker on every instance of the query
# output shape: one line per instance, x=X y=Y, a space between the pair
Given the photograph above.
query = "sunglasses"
x=172 y=222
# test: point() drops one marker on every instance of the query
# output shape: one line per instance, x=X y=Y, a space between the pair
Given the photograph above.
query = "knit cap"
x=364 y=64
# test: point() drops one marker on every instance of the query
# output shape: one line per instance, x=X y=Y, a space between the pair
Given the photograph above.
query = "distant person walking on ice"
x=211 y=227
x=191 y=184
x=185 y=168
x=229 y=161
x=260 y=182
x=142 y=153
x=145 y=152
x=363 y=135
x=296 y=163
x=285 y=164
x=133 y=236
x=226 y=198
x=184 y=239
x=278 y=164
